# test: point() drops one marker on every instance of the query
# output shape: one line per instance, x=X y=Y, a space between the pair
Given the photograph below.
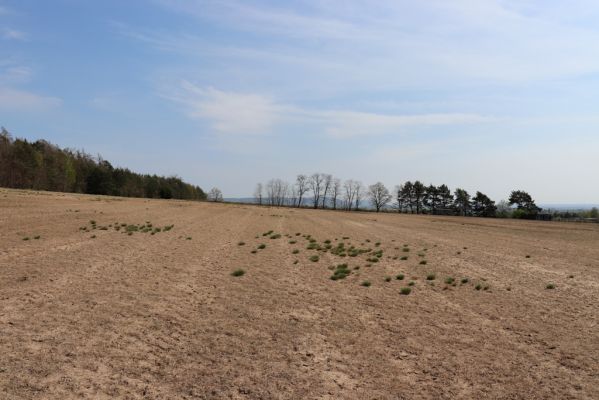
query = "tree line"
x=40 y=165
x=325 y=191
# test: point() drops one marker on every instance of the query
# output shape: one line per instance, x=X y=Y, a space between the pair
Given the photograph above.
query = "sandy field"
x=88 y=310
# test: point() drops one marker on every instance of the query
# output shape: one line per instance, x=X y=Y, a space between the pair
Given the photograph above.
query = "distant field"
x=123 y=308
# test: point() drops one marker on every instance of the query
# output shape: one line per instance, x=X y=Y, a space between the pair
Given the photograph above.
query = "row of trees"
x=40 y=165
x=324 y=191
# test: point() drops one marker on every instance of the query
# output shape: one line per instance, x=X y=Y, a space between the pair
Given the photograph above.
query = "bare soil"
x=101 y=314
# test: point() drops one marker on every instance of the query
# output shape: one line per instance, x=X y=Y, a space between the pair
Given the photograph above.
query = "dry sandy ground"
x=160 y=316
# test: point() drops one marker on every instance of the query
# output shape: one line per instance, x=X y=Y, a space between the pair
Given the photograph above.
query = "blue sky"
x=487 y=95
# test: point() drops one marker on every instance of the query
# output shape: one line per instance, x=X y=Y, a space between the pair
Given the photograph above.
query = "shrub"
x=37 y=237
x=400 y=277
x=341 y=272
x=465 y=280
x=377 y=244
x=238 y=272
x=405 y=249
x=423 y=262
x=241 y=244
x=267 y=233
x=314 y=258
x=292 y=241
x=430 y=277
x=387 y=279
x=366 y=284
x=295 y=251
x=478 y=286
x=405 y=291
x=261 y=246
x=253 y=251
x=412 y=283
x=404 y=258
x=188 y=238
x=275 y=236
x=449 y=280
x=550 y=286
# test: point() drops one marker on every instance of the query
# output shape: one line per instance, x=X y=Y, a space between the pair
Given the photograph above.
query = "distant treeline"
x=324 y=191
x=40 y=165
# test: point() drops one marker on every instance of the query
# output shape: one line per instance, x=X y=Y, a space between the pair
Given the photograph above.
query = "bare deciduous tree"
x=358 y=190
x=301 y=184
x=379 y=195
x=327 y=182
x=335 y=189
x=215 y=194
x=316 y=181
x=258 y=194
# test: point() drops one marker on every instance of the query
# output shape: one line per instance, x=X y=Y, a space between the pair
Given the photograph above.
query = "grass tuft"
x=405 y=291
x=238 y=272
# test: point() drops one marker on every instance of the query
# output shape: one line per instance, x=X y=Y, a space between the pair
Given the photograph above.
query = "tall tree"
x=379 y=195
x=215 y=194
x=301 y=183
x=407 y=195
x=432 y=198
x=483 y=206
x=327 y=181
x=315 y=182
x=462 y=202
x=419 y=192
x=524 y=204
x=335 y=191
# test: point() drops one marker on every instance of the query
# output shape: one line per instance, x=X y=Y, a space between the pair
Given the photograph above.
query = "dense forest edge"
x=41 y=165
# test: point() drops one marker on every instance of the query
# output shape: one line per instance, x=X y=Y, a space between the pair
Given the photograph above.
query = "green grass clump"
x=341 y=271
x=372 y=259
x=449 y=280
x=292 y=241
x=377 y=244
x=313 y=246
x=267 y=233
x=168 y=228
x=465 y=280
x=404 y=258
x=275 y=236
x=365 y=284
x=550 y=286
x=241 y=244
x=478 y=286
x=295 y=251
x=314 y=258
x=188 y=238
x=238 y=272
x=405 y=250
x=430 y=277
x=400 y=277
x=412 y=283
x=327 y=241
x=261 y=246
x=405 y=291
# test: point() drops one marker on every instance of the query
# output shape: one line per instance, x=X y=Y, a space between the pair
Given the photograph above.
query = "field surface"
x=106 y=298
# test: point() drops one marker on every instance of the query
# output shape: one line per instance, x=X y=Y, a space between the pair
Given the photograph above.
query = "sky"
x=485 y=95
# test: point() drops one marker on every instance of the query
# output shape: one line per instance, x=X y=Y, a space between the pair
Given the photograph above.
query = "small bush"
x=404 y=258
x=449 y=280
x=430 y=277
x=327 y=241
x=406 y=250
x=238 y=272
x=241 y=244
x=377 y=244
x=26 y=238
x=37 y=237
x=478 y=286
x=550 y=286
x=423 y=262
x=314 y=258
x=465 y=280
x=295 y=251
x=405 y=290
x=387 y=279
x=292 y=241
x=366 y=284
x=276 y=236
x=412 y=283
x=267 y=233
x=400 y=277
x=261 y=246
x=253 y=251
x=188 y=238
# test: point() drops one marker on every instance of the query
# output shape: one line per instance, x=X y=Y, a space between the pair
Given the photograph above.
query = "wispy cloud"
x=250 y=114
x=20 y=100
x=13 y=34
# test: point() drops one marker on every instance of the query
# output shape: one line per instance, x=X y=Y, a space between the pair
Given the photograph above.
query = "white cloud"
x=250 y=114
x=13 y=34
x=19 y=100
